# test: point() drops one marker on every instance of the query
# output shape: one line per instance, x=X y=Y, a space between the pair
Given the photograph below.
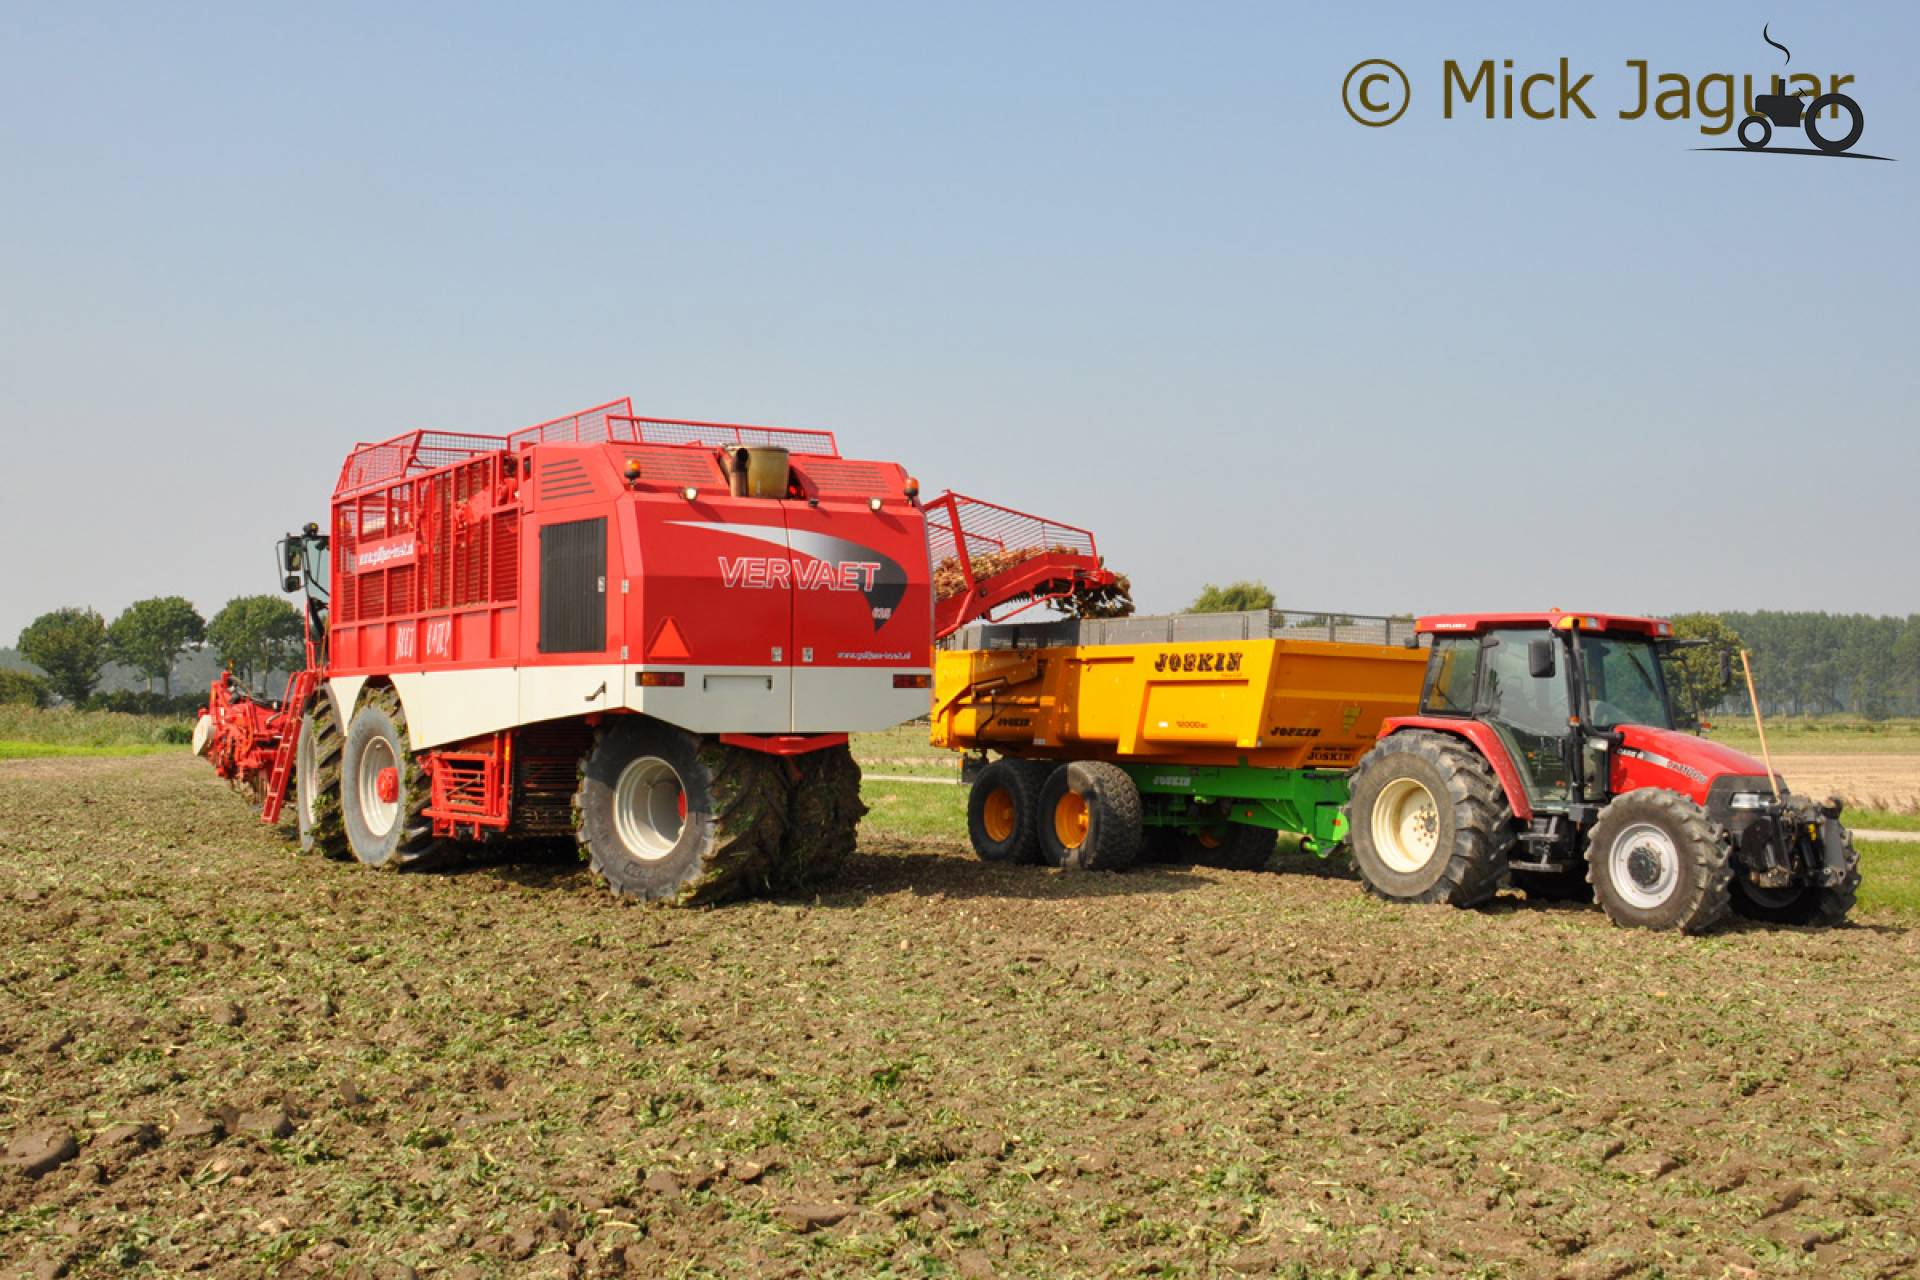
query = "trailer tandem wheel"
x=1003 y=810
x=664 y=814
x=1090 y=817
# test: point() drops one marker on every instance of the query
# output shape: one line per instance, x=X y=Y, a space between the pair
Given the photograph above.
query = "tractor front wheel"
x=1429 y=822
x=1802 y=904
x=1656 y=861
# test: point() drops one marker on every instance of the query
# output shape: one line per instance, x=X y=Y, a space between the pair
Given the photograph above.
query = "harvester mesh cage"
x=727 y=435
x=411 y=454
x=964 y=530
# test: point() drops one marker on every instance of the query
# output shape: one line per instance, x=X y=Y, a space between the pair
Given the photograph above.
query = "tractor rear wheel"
x=384 y=795
x=1090 y=818
x=824 y=809
x=1003 y=810
x=316 y=781
x=1428 y=821
x=1656 y=861
x=1231 y=846
x=664 y=814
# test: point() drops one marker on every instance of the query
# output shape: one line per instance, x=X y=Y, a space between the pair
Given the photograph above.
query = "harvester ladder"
x=299 y=688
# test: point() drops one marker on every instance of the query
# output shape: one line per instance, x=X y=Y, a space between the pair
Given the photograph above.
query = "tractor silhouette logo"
x=1833 y=122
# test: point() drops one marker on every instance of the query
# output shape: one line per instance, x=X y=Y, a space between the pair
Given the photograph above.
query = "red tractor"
x=1548 y=750
x=653 y=635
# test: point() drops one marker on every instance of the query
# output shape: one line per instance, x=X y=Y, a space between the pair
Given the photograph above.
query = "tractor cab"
x=1548 y=754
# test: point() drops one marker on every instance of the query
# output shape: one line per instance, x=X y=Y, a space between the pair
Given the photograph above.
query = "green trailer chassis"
x=1309 y=803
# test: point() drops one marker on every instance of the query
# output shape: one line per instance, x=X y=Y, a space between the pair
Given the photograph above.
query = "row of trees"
x=251 y=634
x=1803 y=663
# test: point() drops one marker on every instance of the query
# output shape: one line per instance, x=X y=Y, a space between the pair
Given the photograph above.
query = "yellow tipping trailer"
x=1209 y=732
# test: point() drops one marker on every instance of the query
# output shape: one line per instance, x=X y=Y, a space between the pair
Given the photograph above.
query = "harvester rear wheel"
x=664 y=814
x=824 y=809
x=1429 y=821
x=1003 y=810
x=384 y=813
x=316 y=781
x=1231 y=846
x=1657 y=861
x=1090 y=818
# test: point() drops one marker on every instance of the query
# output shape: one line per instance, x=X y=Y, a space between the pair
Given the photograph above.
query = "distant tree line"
x=71 y=647
x=1803 y=663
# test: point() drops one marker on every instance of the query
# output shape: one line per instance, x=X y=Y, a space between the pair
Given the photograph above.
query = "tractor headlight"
x=1751 y=800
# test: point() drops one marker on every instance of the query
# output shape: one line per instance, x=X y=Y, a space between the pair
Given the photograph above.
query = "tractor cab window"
x=1530 y=712
x=1624 y=685
x=1451 y=668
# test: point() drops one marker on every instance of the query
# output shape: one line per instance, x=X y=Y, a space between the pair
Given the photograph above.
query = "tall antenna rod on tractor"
x=1765 y=755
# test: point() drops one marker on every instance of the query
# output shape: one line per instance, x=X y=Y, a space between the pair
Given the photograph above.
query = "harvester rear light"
x=913 y=682
x=661 y=679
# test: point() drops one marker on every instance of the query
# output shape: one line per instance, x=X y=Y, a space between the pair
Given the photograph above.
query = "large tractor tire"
x=1090 y=818
x=1231 y=846
x=1656 y=861
x=316 y=781
x=1003 y=810
x=824 y=809
x=1428 y=821
x=385 y=820
x=666 y=815
x=1801 y=904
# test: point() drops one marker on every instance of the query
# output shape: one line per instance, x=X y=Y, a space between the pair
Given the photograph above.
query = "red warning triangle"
x=668 y=643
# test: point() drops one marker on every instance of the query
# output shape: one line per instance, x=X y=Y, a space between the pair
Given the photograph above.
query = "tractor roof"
x=1475 y=623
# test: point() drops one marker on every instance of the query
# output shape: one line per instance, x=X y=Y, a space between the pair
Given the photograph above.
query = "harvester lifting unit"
x=654 y=634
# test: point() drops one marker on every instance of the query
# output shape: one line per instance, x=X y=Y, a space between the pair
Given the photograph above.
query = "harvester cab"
x=302 y=558
x=1547 y=748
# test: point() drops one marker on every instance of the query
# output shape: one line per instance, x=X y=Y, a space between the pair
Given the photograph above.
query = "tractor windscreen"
x=1624 y=684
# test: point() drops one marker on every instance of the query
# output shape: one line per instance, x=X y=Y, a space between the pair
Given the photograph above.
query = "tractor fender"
x=1485 y=741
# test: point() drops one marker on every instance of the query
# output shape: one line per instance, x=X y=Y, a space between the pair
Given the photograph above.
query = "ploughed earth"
x=219 y=1056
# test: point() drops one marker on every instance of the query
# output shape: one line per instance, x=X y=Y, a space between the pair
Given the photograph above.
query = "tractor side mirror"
x=1540 y=658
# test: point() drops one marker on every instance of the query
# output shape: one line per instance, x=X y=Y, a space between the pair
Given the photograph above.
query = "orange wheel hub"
x=1070 y=821
x=998 y=815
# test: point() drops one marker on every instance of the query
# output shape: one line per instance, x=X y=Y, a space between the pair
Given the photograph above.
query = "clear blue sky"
x=1129 y=265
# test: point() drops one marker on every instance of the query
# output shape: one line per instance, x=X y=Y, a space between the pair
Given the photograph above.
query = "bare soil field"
x=1866 y=781
x=219 y=1057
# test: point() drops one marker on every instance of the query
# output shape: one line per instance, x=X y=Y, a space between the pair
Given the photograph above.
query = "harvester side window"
x=1450 y=672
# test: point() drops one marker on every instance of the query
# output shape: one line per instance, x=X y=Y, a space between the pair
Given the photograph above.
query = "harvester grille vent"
x=573 y=584
x=676 y=467
x=564 y=478
x=838 y=476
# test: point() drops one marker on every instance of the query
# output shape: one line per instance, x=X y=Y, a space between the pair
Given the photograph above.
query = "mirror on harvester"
x=290 y=582
x=290 y=555
x=1540 y=661
x=1726 y=668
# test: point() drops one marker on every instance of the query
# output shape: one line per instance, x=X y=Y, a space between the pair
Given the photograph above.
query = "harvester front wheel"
x=824 y=809
x=664 y=814
x=1003 y=810
x=1231 y=846
x=1429 y=821
x=384 y=795
x=1090 y=818
x=1658 y=862
x=316 y=781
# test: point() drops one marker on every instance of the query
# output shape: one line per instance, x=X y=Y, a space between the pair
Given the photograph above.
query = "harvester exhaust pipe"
x=758 y=472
